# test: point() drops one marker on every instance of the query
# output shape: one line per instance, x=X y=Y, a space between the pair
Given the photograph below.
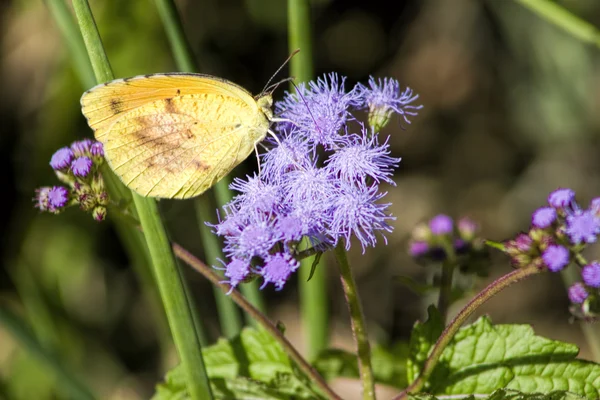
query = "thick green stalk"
x=261 y=319
x=66 y=379
x=170 y=281
x=359 y=328
x=448 y=334
x=184 y=58
x=313 y=293
x=561 y=17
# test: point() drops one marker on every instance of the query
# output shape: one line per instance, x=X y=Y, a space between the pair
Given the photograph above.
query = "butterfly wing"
x=173 y=135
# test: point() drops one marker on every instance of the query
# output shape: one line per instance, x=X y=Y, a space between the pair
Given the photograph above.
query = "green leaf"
x=503 y=394
x=313 y=267
x=251 y=366
x=482 y=358
x=422 y=338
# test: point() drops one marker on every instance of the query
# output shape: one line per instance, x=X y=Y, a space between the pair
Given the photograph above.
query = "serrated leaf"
x=250 y=366
x=482 y=358
x=422 y=338
x=503 y=394
x=389 y=365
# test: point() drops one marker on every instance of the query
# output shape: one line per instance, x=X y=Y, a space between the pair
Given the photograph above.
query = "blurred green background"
x=510 y=113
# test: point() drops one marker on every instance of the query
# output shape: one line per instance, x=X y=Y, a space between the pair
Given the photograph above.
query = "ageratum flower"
x=319 y=181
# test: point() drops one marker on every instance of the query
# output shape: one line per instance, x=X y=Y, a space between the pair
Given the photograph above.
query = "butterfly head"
x=265 y=102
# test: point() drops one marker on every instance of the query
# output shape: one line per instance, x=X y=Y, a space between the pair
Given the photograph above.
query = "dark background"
x=510 y=113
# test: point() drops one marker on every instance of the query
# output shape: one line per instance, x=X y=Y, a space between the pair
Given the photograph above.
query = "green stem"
x=172 y=287
x=184 y=58
x=21 y=332
x=448 y=334
x=448 y=267
x=590 y=332
x=358 y=323
x=258 y=316
x=313 y=293
x=561 y=17
x=229 y=316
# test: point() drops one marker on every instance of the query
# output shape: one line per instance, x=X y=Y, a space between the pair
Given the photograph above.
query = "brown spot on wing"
x=201 y=165
x=116 y=105
x=170 y=107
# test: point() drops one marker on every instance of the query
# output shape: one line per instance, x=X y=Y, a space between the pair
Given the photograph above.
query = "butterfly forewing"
x=173 y=136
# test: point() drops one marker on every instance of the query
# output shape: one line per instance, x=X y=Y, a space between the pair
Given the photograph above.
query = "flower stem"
x=448 y=267
x=184 y=58
x=172 y=286
x=448 y=334
x=65 y=378
x=358 y=323
x=313 y=293
x=264 y=322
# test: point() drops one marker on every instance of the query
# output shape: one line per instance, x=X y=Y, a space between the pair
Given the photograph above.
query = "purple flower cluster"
x=77 y=167
x=319 y=181
x=559 y=231
x=433 y=240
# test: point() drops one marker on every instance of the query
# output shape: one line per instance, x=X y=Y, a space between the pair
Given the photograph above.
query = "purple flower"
x=81 y=167
x=441 y=225
x=543 y=217
x=256 y=194
x=237 y=270
x=382 y=98
x=582 y=226
x=467 y=228
x=578 y=293
x=363 y=156
x=319 y=111
x=82 y=147
x=356 y=212
x=523 y=243
x=418 y=249
x=293 y=154
x=310 y=185
x=591 y=274
x=61 y=159
x=556 y=257
x=277 y=269
x=595 y=206
x=51 y=199
x=561 y=198
x=97 y=150
x=289 y=228
x=255 y=240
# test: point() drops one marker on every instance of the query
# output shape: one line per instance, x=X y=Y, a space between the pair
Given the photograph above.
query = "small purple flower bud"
x=237 y=270
x=418 y=249
x=595 y=206
x=467 y=228
x=97 y=151
x=61 y=159
x=543 y=217
x=523 y=243
x=591 y=274
x=556 y=257
x=277 y=269
x=81 y=167
x=51 y=199
x=99 y=213
x=81 y=147
x=578 y=293
x=441 y=225
x=561 y=198
x=582 y=226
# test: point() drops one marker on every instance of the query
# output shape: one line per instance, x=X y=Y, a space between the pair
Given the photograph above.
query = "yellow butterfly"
x=175 y=135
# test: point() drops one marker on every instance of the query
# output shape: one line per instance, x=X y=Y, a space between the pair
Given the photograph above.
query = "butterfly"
x=175 y=135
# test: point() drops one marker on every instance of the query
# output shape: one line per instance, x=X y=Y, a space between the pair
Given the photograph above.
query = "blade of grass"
x=22 y=333
x=313 y=293
x=185 y=62
x=171 y=283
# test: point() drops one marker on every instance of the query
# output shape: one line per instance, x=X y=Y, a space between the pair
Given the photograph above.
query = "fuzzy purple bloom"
x=289 y=228
x=236 y=271
x=51 y=199
x=362 y=156
x=277 y=269
x=582 y=226
x=441 y=225
x=255 y=240
x=61 y=159
x=82 y=147
x=543 y=217
x=256 y=194
x=556 y=257
x=328 y=110
x=595 y=206
x=382 y=97
x=293 y=154
x=97 y=150
x=418 y=249
x=591 y=274
x=81 y=167
x=561 y=198
x=578 y=293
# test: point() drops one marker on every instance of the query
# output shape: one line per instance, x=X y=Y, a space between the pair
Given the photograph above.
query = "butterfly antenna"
x=280 y=68
x=298 y=92
x=273 y=87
